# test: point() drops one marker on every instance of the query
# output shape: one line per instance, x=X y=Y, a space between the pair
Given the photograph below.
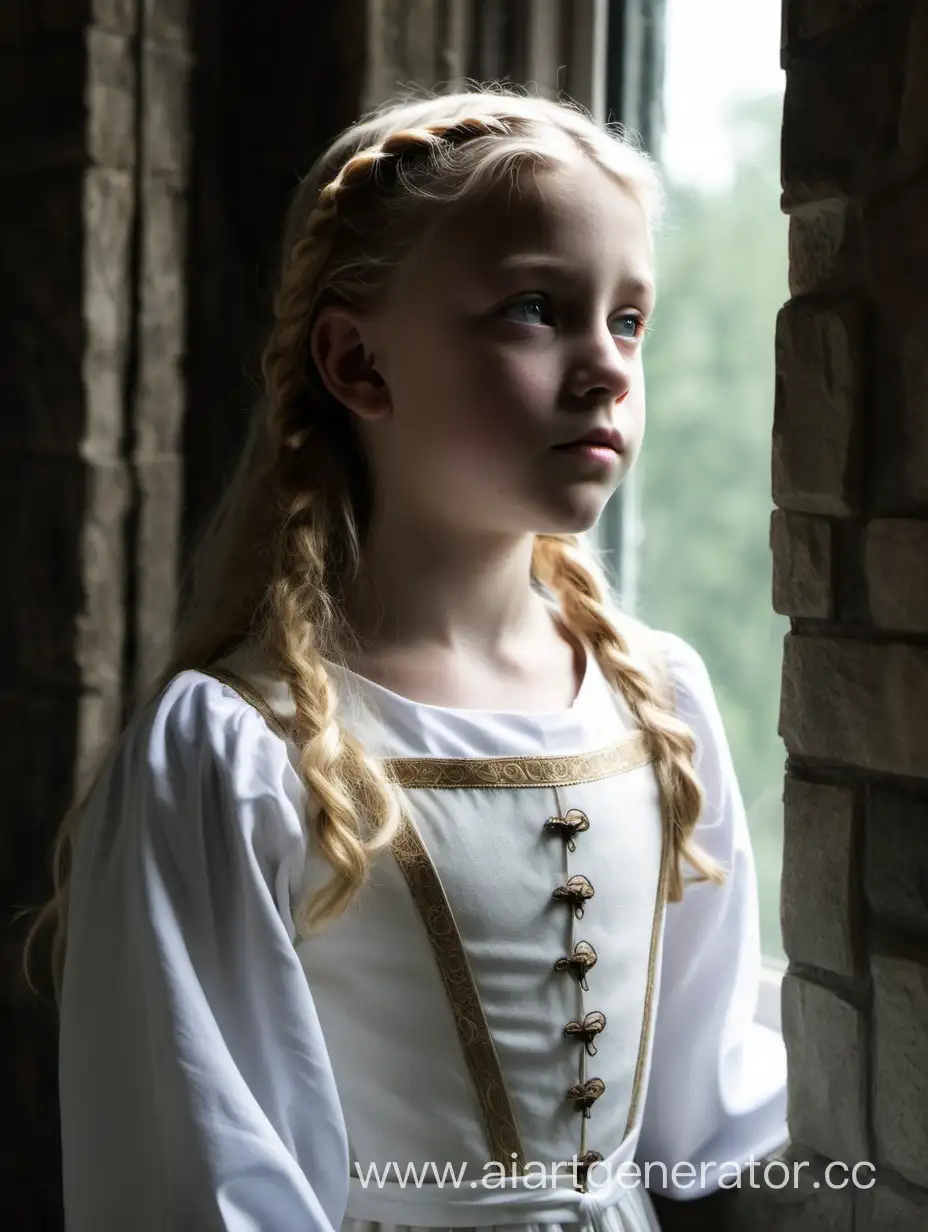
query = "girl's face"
x=517 y=329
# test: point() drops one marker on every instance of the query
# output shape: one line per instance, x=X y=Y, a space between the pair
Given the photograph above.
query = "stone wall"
x=850 y=548
x=69 y=161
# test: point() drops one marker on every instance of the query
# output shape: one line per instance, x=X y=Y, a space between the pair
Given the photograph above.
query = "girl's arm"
x=717 y=1092
x=196 y=1089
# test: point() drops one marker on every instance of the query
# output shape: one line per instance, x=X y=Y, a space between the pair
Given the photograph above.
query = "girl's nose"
x=607 y=373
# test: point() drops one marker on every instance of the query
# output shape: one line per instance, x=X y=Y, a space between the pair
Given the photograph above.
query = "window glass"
x=702 y=499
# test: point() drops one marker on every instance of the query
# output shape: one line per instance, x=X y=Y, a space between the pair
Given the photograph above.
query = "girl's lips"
x=591 y=451
x=607 y=438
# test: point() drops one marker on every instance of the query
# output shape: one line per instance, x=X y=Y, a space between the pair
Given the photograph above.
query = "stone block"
x=825 y=247
x=856 y=703
x=900 y=1079
x=108 y=207
x=817 y=890
x=166 y=21
x=802 y=558
x=159 y=405
x=111 y=86
x=100 y=721
x=165 y=130
x=896 y=858
x=895 y=562
x=156 y=561
x=118 y=16
x=402 y=42
x=816 y=414
x=827 y=1049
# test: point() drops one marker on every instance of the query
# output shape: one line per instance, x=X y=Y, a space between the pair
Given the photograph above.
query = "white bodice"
x=217 y=1070
x=484 y=919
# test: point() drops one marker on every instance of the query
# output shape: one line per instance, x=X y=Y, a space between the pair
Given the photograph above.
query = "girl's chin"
x=572 y=517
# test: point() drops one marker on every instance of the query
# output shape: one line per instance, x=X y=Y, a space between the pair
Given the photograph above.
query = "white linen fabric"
x=218 y=1072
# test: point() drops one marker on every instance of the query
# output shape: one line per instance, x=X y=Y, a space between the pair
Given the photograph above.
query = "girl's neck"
x=461 y=627
x=483 y=639
x=477 y=597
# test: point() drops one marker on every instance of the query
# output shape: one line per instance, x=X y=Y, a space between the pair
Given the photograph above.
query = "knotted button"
x=584 y=1163
x=585 y=1094
x=574 y=822
x=579 y=962
x=576 y=891
x=587 y=1030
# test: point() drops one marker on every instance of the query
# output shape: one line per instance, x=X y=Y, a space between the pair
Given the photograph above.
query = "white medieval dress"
x=509 y=1000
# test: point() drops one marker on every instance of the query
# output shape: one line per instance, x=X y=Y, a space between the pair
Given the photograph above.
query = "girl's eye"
x=537 y=305
x=636 y=322
x=535 y=310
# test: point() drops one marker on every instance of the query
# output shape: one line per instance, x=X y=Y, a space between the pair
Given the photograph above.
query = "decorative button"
x=577 y=890
x=592 y=1024
x=585 y=1094
x=579 y=962
x=575 y=822
x=584 y=1163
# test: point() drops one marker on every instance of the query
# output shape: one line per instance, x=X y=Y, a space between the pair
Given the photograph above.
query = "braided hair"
x=285 y=539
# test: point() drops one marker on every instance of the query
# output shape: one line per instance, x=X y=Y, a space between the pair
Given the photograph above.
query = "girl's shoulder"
x=234 y=704
x=200 y=746
x=685 y=665
x=199 y=770
x=210 y=709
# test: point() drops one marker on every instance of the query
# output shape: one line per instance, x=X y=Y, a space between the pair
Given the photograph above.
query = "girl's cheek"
x=527 y=388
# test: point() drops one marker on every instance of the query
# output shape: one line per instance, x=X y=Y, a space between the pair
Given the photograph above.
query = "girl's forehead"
x=581 y=216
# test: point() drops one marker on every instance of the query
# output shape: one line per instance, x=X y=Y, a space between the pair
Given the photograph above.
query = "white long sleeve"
x=196 y=1089
x=717 y=1091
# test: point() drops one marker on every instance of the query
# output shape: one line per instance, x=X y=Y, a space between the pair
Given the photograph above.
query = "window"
x=689 y=532
x=687 y=536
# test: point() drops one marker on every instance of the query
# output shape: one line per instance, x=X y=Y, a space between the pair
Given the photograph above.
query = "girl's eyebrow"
x=537 y=263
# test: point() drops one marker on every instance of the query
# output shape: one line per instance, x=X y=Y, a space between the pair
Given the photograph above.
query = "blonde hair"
x=286 y=537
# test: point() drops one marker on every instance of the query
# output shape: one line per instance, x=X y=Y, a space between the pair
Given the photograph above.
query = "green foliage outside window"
x=705 y=564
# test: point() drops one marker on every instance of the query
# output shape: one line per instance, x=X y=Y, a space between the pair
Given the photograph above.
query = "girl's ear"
x=346 y=363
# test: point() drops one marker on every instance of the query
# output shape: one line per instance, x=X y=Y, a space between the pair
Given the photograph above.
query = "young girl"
x=420 y=892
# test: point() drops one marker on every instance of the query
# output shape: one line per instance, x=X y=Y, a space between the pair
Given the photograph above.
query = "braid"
x=299 y=614
x=559 y=563
x=357 y=810
x=408 y=143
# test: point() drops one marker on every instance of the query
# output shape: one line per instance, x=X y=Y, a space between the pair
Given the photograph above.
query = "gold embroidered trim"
x=536 y=771
x=482 y=1060
x=503 y=1137
x=249 y=694
x=661 y=899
